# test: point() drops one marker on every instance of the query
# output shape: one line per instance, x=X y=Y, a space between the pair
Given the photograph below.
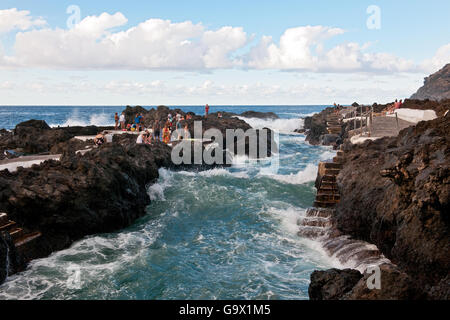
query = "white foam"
x=309 y=174
x=327 y=155
x=280 y=125
x=156 y=191
x=101 y=120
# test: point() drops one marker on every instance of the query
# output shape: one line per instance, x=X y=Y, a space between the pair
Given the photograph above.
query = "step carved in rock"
x=3 y=218
x=8 y=226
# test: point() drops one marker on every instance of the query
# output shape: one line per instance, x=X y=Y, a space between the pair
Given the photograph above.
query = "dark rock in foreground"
x=332 y=284
x=102 y=191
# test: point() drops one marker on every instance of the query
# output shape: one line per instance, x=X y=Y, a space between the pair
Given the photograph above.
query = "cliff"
x=395 y=193
x=436 y=87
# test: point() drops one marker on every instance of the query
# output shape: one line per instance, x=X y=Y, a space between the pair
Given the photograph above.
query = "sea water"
x=219 y=234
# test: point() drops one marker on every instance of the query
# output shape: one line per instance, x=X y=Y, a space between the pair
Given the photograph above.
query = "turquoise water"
x=219 y=234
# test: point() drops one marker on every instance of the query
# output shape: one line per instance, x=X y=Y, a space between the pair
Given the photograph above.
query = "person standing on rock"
x=137 y=121
x=122 y=121
x=206 y=111
x=157 y=130
x=166 y=134
x=116 y=120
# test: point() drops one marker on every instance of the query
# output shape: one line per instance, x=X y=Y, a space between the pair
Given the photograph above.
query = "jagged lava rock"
x=436 y=87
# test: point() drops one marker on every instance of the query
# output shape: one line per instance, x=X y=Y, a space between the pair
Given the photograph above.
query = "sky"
x=218 y=52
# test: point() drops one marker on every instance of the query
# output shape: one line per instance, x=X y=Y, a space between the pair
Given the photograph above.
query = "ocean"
x=220 y=234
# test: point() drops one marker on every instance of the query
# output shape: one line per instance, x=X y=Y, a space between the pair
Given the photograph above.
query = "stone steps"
x=316 y=222
x=326 y=204
x=312 y=232
x=320 y=213
x=333 y=165
x=338 y=159
x=3 y=218
x=27 y=239
x=7 y=226
x=332 y=171
x=329 y=178
x=18 y=234
x=326 y=198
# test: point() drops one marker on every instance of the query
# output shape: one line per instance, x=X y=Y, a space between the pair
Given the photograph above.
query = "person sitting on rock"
x=148 y=137
x=99 y=139
x=140 y=138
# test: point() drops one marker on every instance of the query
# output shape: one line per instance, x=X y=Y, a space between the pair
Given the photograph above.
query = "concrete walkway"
x=26 y=161
x=381 y=127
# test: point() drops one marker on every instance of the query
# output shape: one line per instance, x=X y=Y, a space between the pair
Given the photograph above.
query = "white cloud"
x=440 y=59
x=153 y=44
x=302 y=48
x=13 y=19
x=294 y=50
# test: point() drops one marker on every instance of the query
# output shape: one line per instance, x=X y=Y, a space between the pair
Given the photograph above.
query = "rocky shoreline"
x=394 y=193
x=102 y=190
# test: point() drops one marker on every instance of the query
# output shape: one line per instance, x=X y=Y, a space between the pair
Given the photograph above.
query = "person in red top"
x=206 y=111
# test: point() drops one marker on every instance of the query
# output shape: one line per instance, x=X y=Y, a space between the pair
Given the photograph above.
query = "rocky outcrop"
x=259 y=115
x=316 y=126
x=332 y=284
x=350 y=284
x=102 y=191
x=35 y=137
x=395 y=193
x=436 y=87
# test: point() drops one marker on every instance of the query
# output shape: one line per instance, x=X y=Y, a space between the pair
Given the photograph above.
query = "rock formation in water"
x=103 y=190
x=436 y=87
x=35 y=136
x=395 y=193
x=316 y=126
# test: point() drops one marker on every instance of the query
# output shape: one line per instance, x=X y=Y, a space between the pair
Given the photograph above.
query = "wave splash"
x=96 y=119
x=280 y=125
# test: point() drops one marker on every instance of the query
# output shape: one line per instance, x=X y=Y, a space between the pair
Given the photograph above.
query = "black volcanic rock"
x=102 y=191
x=394 y=285
x=395 y=193
x=316 y=126
x=332 y=284
x=436 y=87
x=259 y=115
x=35 y=136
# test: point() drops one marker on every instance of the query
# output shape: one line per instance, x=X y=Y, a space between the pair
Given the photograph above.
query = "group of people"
x=395 y=106
x=158 y=130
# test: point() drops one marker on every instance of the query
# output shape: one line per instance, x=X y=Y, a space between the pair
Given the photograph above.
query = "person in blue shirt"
x=138 y=121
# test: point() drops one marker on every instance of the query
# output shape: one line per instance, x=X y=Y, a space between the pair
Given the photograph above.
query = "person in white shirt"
x=140 y=139
x=122 y=121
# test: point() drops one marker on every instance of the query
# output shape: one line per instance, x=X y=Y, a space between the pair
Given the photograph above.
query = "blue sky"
x=386 y=63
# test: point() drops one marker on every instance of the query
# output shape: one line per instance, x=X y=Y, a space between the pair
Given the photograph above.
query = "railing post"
x=361 y=119
x=398 y=126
